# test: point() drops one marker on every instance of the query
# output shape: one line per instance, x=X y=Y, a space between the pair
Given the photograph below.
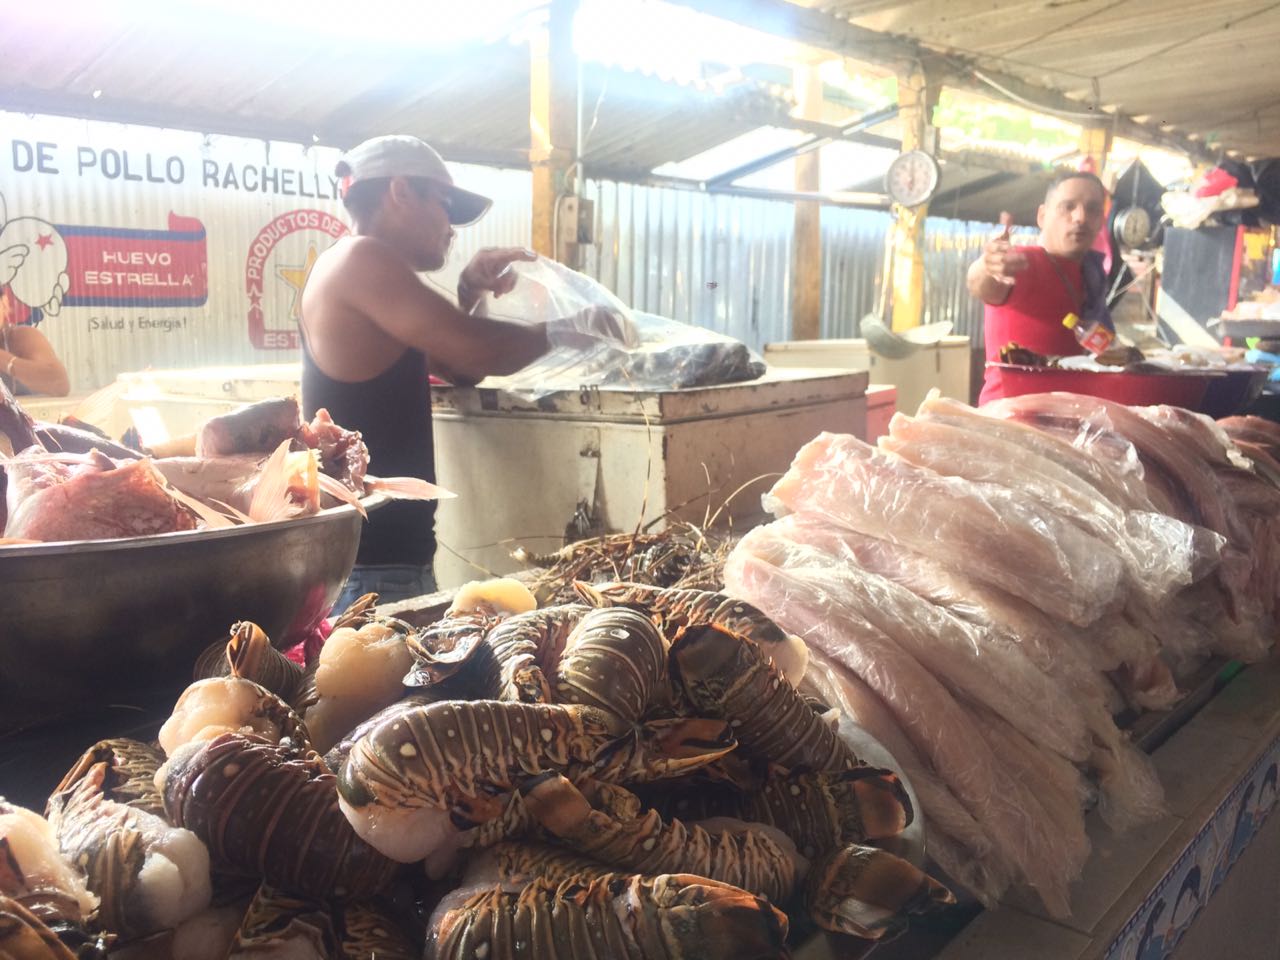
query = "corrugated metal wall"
x=724 y=262
x=950 y=246
x=718 y=261
x=852 y=262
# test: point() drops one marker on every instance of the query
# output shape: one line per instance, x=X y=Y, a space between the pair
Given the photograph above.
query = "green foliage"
x=985 y=121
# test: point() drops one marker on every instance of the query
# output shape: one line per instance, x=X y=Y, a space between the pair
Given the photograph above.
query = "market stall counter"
x=1201 y=881
x=1018 y=618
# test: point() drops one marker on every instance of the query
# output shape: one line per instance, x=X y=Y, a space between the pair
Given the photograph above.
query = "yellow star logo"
x=296 y=277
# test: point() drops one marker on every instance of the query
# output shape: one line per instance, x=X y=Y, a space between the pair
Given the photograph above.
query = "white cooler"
x=945 y=365
x=528 y=471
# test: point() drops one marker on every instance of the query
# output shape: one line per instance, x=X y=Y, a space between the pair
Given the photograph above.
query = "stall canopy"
x=1204 y=69
x=699 y=92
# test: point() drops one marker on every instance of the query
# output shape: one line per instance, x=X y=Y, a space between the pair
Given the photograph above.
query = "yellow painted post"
x=1095 y=143
x=553 y=120
x=917 y=96
x=806 y=247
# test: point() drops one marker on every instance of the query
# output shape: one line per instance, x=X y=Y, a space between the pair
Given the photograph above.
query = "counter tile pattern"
x=1243 y=918
x=1141 y=892
x=1167 y=912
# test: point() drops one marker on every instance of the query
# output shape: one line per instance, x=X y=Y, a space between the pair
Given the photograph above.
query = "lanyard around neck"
x=1077 y=296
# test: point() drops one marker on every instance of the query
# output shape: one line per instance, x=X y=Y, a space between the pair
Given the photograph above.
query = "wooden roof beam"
x=823 y=31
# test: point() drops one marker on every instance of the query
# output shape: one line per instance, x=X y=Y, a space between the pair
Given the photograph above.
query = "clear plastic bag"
x=1047 y=851
x=1073 y=659
x=665 y=355
x=997 y=675
x=957 y=842
x=997 y=535
x=1159 y=553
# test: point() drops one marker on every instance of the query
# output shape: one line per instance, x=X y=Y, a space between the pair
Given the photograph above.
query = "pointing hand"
x=1000 y=258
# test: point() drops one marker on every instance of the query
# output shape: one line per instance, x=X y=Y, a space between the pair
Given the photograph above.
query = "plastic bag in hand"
x=583 y=329
x=597 y=341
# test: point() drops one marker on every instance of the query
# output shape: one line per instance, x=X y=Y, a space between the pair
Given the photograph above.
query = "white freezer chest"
x=945 y=365
x=526 y=472
x=180 y=400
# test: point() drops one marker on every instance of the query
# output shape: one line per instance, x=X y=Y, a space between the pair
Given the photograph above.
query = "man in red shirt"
x=1028 y=290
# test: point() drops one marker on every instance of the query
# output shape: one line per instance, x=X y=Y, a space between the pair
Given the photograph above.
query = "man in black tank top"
x=372 y=332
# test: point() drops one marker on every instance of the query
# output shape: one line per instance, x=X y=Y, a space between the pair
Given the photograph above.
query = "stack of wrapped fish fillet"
x=987 y=589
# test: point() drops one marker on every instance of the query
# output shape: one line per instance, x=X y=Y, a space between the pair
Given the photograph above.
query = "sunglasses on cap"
x=428 y=190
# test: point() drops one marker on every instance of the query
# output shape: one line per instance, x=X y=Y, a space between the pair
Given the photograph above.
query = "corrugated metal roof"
x=198 y=66
x=1202 y=66
x=190 y=69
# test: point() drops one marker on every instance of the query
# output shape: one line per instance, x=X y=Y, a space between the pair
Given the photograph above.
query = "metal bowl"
x=89 y=623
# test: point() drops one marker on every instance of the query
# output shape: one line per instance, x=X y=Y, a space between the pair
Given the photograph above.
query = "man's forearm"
x=506 y=347
x=984 y=286
x=524 y=344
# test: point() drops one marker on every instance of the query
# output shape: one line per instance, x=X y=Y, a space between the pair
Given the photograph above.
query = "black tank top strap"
x=392 y=411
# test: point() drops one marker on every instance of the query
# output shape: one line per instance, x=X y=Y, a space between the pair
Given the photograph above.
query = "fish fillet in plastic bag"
x=1072 y=657
x=955 y=839
x=940 y=728
x=956 y=652
x=1160 y=553
x=996 y=535
x=1182 y=482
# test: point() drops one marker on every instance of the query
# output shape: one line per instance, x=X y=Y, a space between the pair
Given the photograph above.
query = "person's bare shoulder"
x=28 y=340
x=350 y=267
x=366 y=255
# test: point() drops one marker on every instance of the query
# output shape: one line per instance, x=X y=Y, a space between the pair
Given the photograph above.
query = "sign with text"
x=120 y=266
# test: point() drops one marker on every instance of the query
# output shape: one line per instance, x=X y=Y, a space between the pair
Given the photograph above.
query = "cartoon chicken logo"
x=33 y=262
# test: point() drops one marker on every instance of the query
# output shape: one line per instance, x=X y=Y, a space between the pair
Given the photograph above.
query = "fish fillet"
x=997 y=535
x=999 y=676
x=944 y=733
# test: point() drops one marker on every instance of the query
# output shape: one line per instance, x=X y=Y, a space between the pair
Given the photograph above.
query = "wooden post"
x=917 y=96
x=806 y=246
x=1095 y=143
x=553 y=124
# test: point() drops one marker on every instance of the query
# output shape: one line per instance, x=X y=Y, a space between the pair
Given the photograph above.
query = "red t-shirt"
x=1032 y=316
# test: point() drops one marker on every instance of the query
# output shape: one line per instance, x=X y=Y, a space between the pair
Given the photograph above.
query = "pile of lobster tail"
x=633 y=775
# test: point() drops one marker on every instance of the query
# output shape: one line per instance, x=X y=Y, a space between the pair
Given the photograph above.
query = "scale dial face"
x=1133 y=227
x=912 y=178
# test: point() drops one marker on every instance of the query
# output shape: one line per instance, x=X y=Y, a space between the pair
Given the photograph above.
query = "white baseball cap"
x=403 y=156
